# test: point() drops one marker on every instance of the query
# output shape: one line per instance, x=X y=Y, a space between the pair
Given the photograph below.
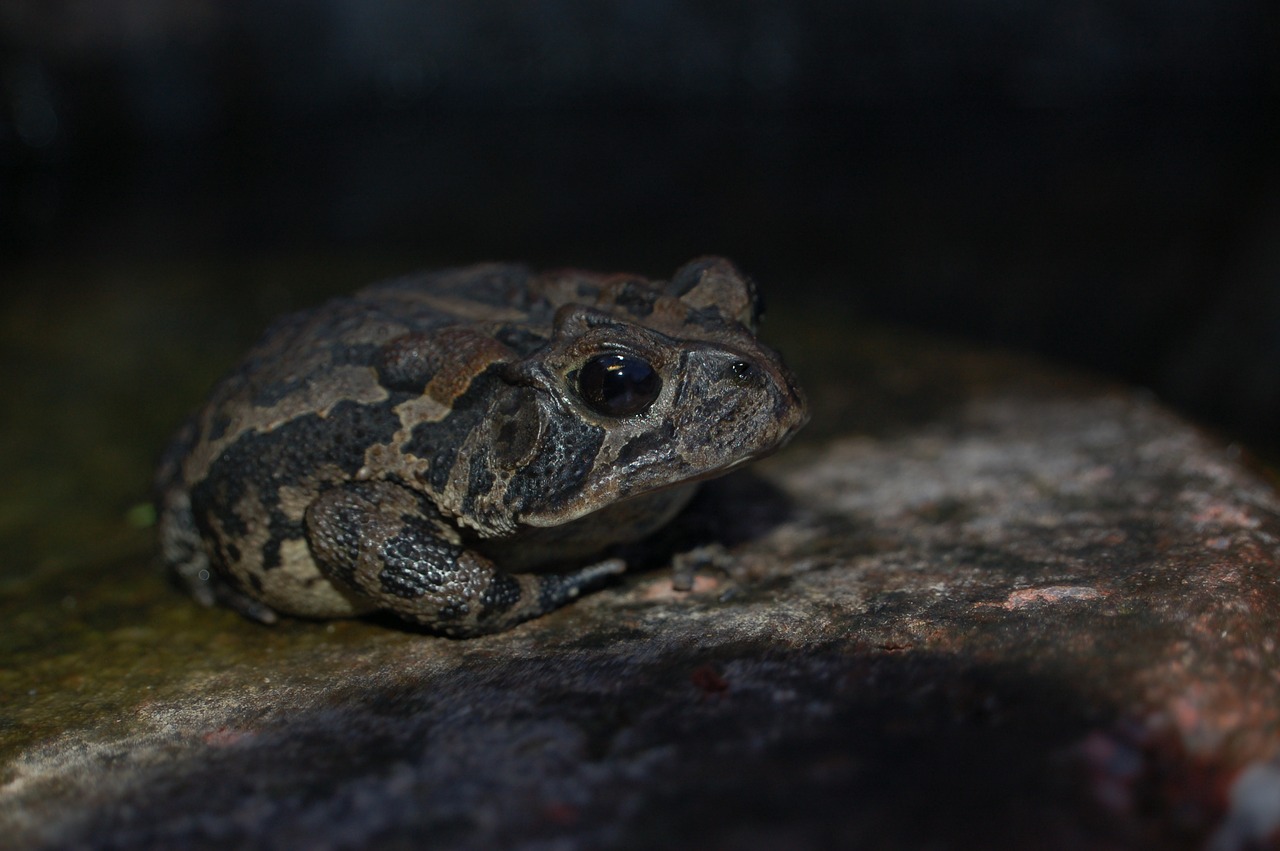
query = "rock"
x=983 y=603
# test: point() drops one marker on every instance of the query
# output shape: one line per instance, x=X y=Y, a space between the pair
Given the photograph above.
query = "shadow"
x=735 y=744
x=728 y=511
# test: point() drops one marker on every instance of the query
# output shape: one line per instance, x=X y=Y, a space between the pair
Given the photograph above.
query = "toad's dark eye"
x=618 y=385
x=741 y=371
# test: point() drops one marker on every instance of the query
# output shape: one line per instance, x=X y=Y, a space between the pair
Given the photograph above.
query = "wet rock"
x=982 y=603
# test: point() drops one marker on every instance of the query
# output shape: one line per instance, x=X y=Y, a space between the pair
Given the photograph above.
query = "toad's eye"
x=618 y=385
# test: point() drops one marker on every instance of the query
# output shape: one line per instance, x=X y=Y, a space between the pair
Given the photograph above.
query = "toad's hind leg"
x=182 y=546
x=388 y=545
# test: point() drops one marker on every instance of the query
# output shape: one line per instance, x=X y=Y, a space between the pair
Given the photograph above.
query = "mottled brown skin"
x=402 y=449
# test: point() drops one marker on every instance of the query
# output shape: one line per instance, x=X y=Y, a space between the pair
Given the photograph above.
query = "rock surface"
x=982 y=603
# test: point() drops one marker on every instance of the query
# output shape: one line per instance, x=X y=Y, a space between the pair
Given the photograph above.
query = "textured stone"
x=981 y=604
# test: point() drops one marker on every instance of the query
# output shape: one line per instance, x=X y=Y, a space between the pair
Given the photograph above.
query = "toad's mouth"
x=612 y=491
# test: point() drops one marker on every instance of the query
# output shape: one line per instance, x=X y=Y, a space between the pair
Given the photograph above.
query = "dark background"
x=1096 y=181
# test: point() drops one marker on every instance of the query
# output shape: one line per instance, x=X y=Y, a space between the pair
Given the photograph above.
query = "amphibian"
x=441 y=446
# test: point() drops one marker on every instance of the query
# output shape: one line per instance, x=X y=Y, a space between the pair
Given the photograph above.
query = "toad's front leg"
x=385 y=544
